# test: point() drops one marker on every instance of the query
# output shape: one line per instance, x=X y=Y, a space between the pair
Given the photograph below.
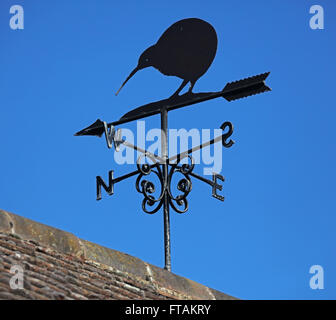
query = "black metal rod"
x=195 y=175
x=184 y=154
x=209 y=96
x=166 y=218
x=131 y=174
x=136 y=148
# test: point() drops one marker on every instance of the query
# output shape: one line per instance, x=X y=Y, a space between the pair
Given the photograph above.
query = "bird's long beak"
x=129 y=77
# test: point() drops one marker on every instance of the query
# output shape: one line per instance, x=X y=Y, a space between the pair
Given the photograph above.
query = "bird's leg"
x=183 y=84
x=191 y=87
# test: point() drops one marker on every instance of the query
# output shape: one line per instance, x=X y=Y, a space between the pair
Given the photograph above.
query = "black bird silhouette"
x=186 y=50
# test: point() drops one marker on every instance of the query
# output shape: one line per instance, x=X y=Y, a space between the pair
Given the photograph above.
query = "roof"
x=58 y=265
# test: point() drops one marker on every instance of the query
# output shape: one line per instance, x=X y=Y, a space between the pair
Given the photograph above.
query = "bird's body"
x=185 y=50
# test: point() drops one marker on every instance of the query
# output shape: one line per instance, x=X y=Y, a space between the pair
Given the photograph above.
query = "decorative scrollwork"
x=147 y=188
x=152 y=204
x=184 y=185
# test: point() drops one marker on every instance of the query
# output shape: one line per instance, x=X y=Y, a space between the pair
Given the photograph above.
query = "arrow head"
x=95 y=129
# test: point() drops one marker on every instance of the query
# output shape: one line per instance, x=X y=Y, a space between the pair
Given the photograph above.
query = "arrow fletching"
x=246 y=87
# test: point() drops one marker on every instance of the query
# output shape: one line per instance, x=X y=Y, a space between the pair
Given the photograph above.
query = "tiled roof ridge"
x=160 y=280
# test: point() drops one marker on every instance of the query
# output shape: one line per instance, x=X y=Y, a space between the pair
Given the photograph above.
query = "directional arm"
x=232 y=91
x=223 y=138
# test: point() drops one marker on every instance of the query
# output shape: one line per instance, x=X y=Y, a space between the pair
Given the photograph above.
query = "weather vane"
x=186 y=50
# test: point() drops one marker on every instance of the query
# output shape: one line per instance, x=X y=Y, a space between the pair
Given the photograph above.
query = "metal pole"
x=164 y=156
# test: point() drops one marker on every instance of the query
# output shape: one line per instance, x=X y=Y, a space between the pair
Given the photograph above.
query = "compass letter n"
x=100 y=183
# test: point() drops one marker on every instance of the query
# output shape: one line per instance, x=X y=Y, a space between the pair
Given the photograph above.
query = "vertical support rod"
x=164 y=155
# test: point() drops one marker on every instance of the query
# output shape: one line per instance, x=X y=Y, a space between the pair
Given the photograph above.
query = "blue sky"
x=59 y=75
